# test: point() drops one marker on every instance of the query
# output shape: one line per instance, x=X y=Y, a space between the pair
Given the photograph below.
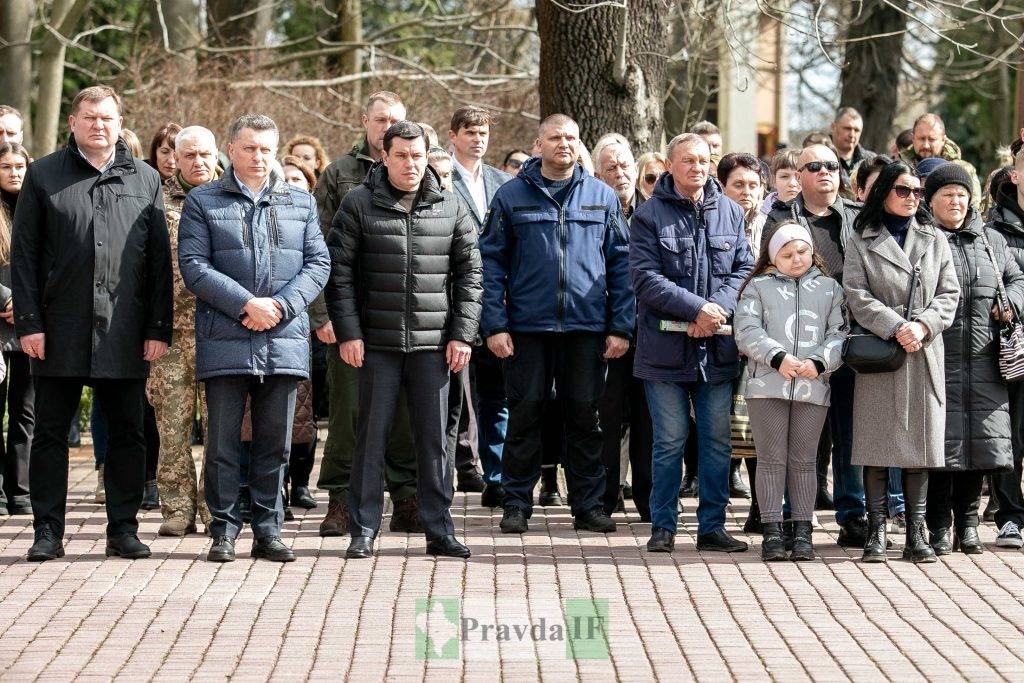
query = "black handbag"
x=866 y=353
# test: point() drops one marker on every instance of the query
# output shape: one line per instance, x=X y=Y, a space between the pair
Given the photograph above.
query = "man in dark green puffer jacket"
x=404 y=300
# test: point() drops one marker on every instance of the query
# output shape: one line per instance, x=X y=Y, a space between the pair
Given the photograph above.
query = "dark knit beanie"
x=946 y=174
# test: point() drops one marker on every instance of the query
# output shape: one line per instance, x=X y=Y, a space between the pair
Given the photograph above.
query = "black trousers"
x=300 y=463
x=18 y=393
x=915 y=491
x=624 y=404
x=1006 y=486
x=152 y=441
x=121 y=404
x=461 y=427
x=953 y=498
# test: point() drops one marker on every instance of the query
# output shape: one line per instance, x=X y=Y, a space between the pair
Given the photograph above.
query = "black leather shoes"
x=939 y=541
x=302 y=498
x=854 y=533
x=662 y=541
x=720 y=542
x=470 y=482
x=493 y=496
x=689 y=489
x=803 y=546
x=223 y=550
x=447 y=546
x=876 y=540
x=549 y=496
x=917 y=549
x=127 y=546
x=773 y=547
x=513 y=521
x=271 y=548
x=361 y=547
x=150 y=496
x=968 y=541
x=594 y=520
x=47 y=546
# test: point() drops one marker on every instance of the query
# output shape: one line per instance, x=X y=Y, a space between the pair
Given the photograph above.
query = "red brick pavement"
x=684 y=616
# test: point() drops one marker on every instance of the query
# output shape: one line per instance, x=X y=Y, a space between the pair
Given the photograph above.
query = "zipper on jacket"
x=408 y=278
x=965 y=337
x=796 y=337
x=246 y=236
x=274 y=231
x=559 y=319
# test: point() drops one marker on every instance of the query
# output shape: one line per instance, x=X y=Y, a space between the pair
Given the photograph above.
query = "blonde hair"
x=318 y=149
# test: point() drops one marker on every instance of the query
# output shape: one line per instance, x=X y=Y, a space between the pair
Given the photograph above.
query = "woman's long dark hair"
x=764 y=263
x=874 y=204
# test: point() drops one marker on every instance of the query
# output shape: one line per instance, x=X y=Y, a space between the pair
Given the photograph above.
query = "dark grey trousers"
x=273 y=406
x=424 y=374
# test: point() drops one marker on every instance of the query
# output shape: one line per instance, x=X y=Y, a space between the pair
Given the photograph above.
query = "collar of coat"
x=972 y=227
x=278 y=193
x=124 y=162
x=795 y=206
x=178 y=187
x=665 y=190
x=772 y=271
x=918 y=241
x=430 y=190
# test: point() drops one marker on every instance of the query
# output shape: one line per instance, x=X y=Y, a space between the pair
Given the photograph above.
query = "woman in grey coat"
x=899 y=417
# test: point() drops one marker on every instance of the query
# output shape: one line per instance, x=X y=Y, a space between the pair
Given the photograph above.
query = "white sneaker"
x=100 y=496
x=1009 y=536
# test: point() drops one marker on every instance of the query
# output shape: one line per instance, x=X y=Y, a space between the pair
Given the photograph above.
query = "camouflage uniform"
x=172 y=389
x=950 y=152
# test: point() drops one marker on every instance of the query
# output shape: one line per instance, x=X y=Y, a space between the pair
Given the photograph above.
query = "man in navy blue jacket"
x=688 y=257
x=557 y=306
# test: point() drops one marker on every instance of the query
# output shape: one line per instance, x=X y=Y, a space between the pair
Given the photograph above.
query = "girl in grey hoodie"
x=790 y=324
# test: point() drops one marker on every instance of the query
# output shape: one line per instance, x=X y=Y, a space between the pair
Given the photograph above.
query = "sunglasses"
x=815 y=166
x=902 y=191
x=514 y=163
x=650 y=178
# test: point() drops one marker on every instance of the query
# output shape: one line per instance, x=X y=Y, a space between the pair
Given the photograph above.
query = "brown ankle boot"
x=336 y=520
x=405 y=518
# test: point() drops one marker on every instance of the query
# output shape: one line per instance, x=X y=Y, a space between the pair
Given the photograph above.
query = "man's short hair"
x=435 y=154
x=95 y=93
x=508 y=157
x=6 y=110
x=704 y=128
x=428 y=130
x=611 y=146
x=386 y=96
x=681 y=140
x=905 y=138
x=555 y=120
x=467 y=116
x=847 y=111
x=870 y=167
x=819 y=138
x=785 y=160
x=195 y=134
x=252 y=121
x=407 y=130
x=931 y=120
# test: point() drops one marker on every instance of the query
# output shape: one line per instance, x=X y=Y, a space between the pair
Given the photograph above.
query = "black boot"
x=875 y=544
x=737 y=487
x=915 y=493
x=917 y=549
x=939 y=541
x=823 y=500
x=967 y=540
x=753 y=524
x=549 y=495
x=150 y=496
x=803 y=547
x=787 y=534
x=772 y=546
x=876 y=497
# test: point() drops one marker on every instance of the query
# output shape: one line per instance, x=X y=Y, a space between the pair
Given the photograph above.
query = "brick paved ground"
x=678 y=617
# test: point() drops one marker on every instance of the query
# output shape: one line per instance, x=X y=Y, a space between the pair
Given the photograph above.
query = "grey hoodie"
x=802 y=317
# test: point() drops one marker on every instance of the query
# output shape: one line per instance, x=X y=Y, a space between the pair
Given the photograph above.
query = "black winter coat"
x=91 y=264
x=403 y=281
x=977 y=397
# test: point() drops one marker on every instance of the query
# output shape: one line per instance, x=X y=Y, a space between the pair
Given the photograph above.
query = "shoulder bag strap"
x=1004 y=301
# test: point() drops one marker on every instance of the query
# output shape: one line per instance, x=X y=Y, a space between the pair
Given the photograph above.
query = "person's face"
x=819 y=171
x=559 y=145
x=862 y=192
x=12 y=172
x=443 y=167
x=307 y=154
x=515 y=164
x=197 y=161
x=714 y=141
x=252 y=155
x=787 y=183
x=295 y=177
x=928 y=140
x=794 y=259
x=11 y=129
x=651 y=172
x=166 y=163
x=846 y=133
x=689 y=166
x=617 y=170
x=378 y=119
x=904 y=206
x=949 y=206
x=470 y=142
x=743 y=186
x=96 y=126
x=406 y=163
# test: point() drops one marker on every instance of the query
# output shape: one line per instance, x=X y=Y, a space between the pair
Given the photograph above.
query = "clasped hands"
x=262 y=313
x=911 y=336
x=711 y=317
x=792 y=367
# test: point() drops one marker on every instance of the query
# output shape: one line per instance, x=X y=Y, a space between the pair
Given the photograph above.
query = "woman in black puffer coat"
x=977 y=398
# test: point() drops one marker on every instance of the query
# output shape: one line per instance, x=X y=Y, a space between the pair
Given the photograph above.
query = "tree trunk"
x=348 y=29
x=181 y=19
x=871 y=71
x=63 y=19
x=227 y=27
x=606 y=73
x=16 y=59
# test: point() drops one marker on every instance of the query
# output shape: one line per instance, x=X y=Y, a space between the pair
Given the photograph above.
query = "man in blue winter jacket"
x=557 y=306
x=688 y=258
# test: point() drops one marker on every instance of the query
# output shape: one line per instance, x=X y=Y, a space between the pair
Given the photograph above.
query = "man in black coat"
x=404 y=300
x=91 y=272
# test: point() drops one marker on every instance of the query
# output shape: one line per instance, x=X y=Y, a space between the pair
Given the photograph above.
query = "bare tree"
x=64 y=16
x=16 y=59
x=176 y=22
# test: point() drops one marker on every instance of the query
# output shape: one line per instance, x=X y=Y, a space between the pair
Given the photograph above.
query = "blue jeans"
x=669 y=403
x=896 y=502
x=847 y=479
x=491 y=412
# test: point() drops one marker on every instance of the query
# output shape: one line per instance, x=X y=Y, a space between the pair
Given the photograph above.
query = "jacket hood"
x=1007 y=211
x=773 y=272
x=376 y=180
x=665 y=189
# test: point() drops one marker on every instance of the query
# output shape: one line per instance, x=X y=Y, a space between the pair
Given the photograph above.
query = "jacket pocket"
x=676 y=255
x=721 y=249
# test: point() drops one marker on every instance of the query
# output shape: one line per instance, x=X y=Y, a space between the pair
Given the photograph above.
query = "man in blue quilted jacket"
x=557 y=306
x=251 y=250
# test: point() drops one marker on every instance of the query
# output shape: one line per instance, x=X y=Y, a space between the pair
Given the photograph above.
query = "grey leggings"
x=786 y=436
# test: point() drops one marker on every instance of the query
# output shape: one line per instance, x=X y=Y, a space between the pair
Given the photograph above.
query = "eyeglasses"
x=815 y=166
x=514 y=163
x=650 y=178
x=902 y=191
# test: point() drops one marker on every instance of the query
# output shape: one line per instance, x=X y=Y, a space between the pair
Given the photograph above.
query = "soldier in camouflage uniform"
x=172 y=387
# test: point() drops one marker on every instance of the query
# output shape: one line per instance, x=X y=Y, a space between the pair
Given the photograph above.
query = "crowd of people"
x=647 y=323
